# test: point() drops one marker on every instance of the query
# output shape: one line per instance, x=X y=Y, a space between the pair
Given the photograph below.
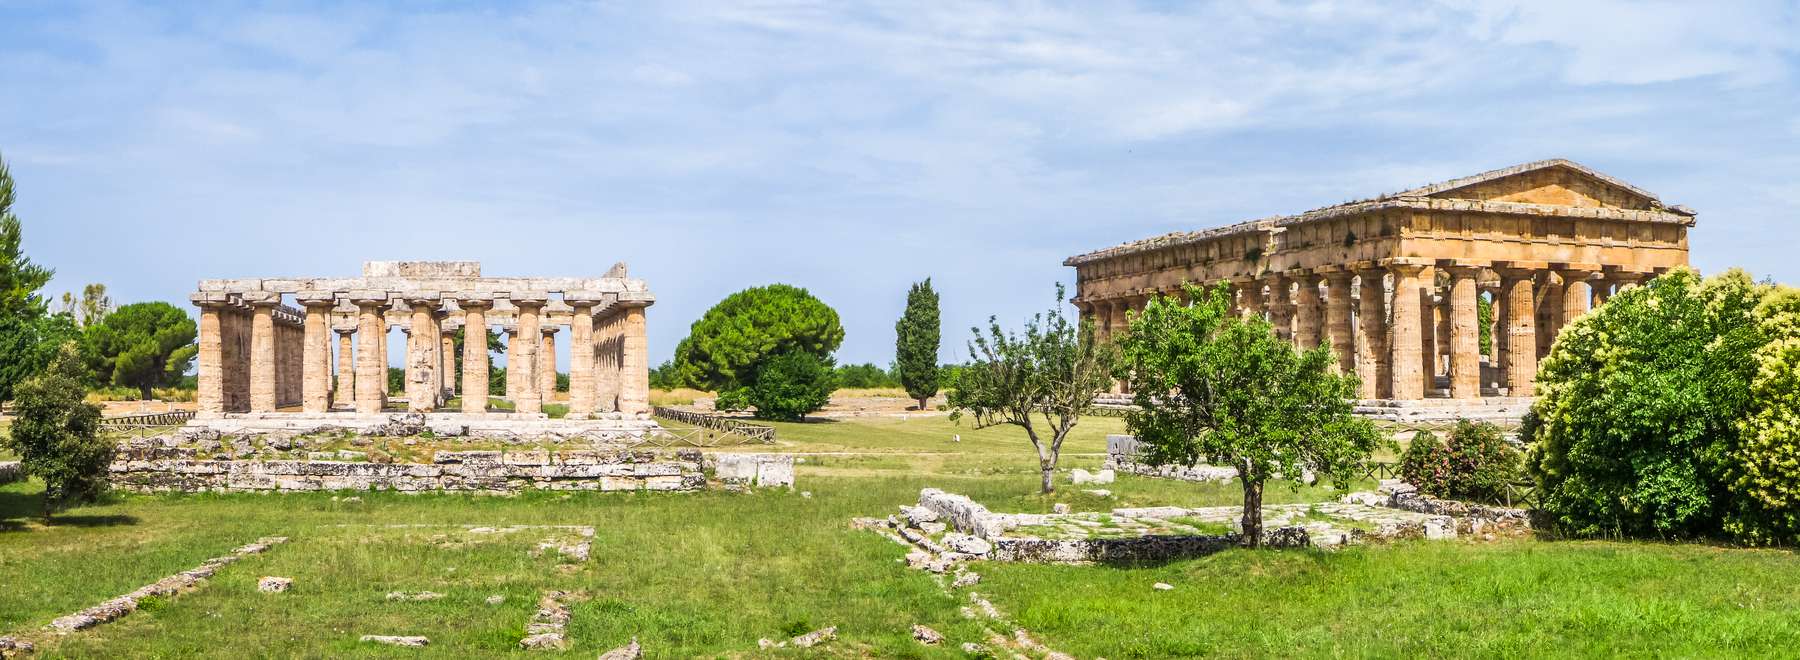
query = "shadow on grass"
x=18 y=508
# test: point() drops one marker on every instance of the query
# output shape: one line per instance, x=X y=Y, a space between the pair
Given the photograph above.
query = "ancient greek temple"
x=266 y=344
x=1393 y=285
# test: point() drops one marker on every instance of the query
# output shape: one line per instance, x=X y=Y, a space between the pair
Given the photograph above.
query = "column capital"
x=261 y=299
x=528 y=298
x=1461 y=270
x=211 y=299
x=369 y=298
x=422 y=298
x=469 y=301
x=548 y=331
x=1406 y=266
x=1579 y=271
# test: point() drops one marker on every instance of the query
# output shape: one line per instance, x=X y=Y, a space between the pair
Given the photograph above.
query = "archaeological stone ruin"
x=1390 y=284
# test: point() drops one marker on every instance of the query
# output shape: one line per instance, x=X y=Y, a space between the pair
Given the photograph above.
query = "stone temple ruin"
x=1390 y=284
x=266 y=360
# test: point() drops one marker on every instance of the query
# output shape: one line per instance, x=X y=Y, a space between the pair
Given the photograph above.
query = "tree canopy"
x=916 y=339
x=1210 y=386
x=29 y=335
x=142 y=345
x=724 y=348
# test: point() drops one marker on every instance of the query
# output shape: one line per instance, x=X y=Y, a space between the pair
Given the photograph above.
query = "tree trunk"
x=1252 y=512
x=144 y=393
x=1049 y=477
x=922 y=403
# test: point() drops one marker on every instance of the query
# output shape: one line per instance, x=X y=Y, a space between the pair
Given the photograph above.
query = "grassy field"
x=708 y=574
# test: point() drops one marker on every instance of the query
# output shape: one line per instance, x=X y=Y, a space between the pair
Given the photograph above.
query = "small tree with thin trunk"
x=1053 y=372
x=57 y=434
x=916 y=338
x=1210 y=386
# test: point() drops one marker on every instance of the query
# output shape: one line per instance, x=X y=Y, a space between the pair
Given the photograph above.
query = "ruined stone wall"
x=177 y=470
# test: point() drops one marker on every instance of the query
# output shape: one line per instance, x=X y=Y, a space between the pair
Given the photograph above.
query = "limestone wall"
x=760 y=470
x=170 y=470
x=1122 y=455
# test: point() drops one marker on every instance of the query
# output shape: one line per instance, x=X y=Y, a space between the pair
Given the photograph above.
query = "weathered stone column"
x=474 y=358
x=1521 y=329
x=1434 y=329
x=546 y=365
x=1465 y=334
x=1280 y=306
x=606 y=361
x=1549 y=311
x=1576 y=293
x=316 y=354
x=581 y=358
x=344 y=395
x=1251 y=301
x=634 y=362
x=421 y=354
x=371 y=371
x=528 y=338
x=1372 y=360
x=446 y=363
x=1307 y=326
x=1337 y=319
x=262 y=352
x=1409 y=382
x=209 y=372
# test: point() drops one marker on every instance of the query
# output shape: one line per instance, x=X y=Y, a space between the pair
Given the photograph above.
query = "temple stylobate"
x=1393 y=285
x=267 y=345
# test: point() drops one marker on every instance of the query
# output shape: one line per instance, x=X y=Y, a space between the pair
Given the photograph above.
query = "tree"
x=1054 y=371
x=1215 y=387
x=1639 y=404
x=865 y=375
x=142 y=345
x=57 y=434
x=916 y=338
x=790 y=385
x=20 y=279
x=90 y=308
x=28 y=343
x=724 y=348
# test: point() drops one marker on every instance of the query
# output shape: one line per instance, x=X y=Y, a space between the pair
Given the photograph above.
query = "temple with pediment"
x=1393 y=285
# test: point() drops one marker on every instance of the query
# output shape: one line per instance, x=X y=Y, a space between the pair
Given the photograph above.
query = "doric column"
x=1576 y=292
x=1251 y=298
x=262 y=352
x=421 y=354
x=446 y=363
x=371 y=370
x=316 y=354
x=1118 y=321
x=1373 y=364
x=344 y=395
x=1520 y=327
x=209 y=372
x=529 y=337
x=1337 y=319
x=1307 y=326
x=1434 y=328
x=1465 y=333
x=546 y=364
x=606 y=360
x=1549 y=311
x=475 y=350
x=581 y=358
x=634 y=362
x=1280 y=306
x=1407 y=365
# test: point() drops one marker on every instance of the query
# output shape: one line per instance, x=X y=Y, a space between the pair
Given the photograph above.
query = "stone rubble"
x=410 y=641
x=926 y=635
x=627 y=652
x=272 y=584
x=545 y=632
x=1081 y=477
x=413 y=596
x=11 y=647
x=815 y=637
x=169 y=586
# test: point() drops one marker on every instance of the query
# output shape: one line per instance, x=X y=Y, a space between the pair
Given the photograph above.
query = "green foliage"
x=1640 y=403
x=1426 y=464
x=56 y=434
x=396 y=381
x=1484 y=322
x=1212 y=386
x=1763 y=471
x=20 y=279
x=788 y=386
x=142 y=345
x=725 y=347
x=665 y=376
x=90 y=308
x=28 y=343
x=916 y=338
x=1054 y=370
x=865 y=376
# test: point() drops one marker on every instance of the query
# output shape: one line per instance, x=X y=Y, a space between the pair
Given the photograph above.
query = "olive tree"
x=57 y=434
x=1052 y=371
x=1211 y=386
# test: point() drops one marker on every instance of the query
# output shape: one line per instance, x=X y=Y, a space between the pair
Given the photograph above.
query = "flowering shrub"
x=1476 y=464
x=1763 y=471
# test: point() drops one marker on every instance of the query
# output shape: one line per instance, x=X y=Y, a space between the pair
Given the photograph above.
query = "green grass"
x=707 y=574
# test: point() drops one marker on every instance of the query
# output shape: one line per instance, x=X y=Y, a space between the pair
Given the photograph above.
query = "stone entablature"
x=259 y=354
x=1391 y=284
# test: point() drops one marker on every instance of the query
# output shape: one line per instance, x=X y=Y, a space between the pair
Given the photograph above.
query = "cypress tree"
x=916 y=343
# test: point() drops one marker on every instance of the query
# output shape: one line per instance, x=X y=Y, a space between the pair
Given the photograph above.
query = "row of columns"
x=259 y=356
x=1388 y=322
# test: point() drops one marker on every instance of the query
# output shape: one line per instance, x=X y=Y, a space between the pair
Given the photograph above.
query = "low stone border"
x=176 y=584
x=494 y=425
x=545 y=630
x=760 y=470
x=1469 y=517
x=467 y=471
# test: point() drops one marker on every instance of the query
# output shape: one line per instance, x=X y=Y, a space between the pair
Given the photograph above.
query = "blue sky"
x=847 y=148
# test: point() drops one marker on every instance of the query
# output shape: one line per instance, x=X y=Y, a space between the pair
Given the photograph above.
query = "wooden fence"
x=149 y=421
x=750 y=433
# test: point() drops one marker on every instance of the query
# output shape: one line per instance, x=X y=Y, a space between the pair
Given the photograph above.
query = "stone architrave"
x=1465 y=334
x=474 y=358
x=1404 y=336
x=529 y=338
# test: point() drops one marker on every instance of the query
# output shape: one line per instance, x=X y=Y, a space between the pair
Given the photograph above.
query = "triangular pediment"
x=1551 y=183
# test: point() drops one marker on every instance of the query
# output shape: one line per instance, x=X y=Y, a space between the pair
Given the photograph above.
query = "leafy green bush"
x=725 y=348
x=1426 y=464
x=1763 y=471
x=788 y=386
x=57 y=435
x=865 y=376
x=1481 y=462
x=1640 y=403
